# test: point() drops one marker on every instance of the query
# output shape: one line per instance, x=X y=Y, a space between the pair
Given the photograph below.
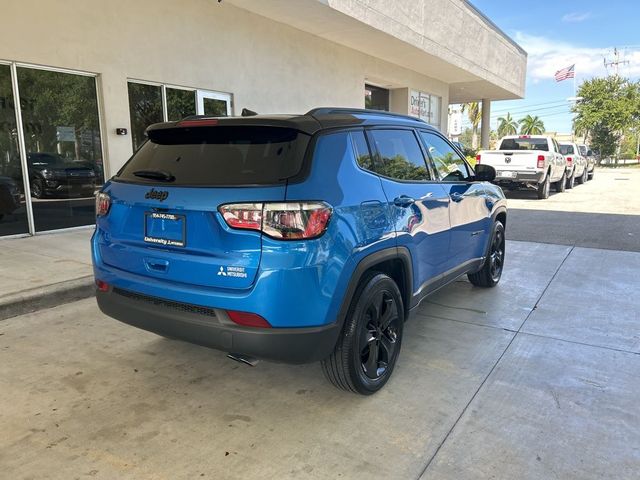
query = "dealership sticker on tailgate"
x=165 y=229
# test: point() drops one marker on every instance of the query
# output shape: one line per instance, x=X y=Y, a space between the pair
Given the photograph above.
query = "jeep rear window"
x=524 y=144
x=218 y=156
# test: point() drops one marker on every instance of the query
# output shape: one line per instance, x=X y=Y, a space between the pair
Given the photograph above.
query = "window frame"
x=470 y=170
x=375 y=153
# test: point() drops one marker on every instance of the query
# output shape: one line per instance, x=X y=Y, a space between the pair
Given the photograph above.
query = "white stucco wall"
x=267 y=66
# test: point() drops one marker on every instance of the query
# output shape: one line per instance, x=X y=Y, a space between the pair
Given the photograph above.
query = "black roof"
x=310 y=122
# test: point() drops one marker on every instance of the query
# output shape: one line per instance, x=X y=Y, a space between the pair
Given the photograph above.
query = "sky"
x=557 y=34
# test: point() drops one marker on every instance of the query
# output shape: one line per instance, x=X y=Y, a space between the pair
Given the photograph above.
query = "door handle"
x=403 y=201
x=456 y=197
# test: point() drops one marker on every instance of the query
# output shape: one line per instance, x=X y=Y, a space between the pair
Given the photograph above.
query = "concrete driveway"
x=537 y=378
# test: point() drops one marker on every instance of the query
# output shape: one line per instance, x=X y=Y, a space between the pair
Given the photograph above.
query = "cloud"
x=576 y=17
x=547 y=56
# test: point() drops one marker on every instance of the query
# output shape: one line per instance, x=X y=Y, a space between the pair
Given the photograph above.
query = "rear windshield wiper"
x=161 y=175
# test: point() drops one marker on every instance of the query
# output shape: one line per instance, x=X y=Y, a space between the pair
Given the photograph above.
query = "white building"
x=89 y=75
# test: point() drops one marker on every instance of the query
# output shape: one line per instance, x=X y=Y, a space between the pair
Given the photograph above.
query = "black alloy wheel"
x=367 y=350
x=379 y=337
x=491 y=271
x=496 y=255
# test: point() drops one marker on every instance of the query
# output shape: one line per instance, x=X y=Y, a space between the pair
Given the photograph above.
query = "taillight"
x=569 y=160
x=284 y=221
x=540 y=161
x=478 y=158
x=247 y=319
x=103 y=203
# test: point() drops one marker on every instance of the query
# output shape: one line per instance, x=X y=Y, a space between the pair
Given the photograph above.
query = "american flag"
x=569 y=72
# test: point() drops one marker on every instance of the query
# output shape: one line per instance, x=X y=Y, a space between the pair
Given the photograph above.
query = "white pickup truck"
x=527 y=161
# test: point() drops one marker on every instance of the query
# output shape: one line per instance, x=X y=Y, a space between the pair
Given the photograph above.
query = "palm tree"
x=507 y=126
x=531 y=125
x=474 y=112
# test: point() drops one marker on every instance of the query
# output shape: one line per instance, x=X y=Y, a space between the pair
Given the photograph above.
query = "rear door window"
x=398 y=155
x=217 y=156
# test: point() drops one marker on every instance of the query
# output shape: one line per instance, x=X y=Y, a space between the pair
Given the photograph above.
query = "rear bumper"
x=532 y=177
x=211 y=328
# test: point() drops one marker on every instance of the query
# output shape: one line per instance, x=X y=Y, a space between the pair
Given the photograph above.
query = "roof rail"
x=359 y=111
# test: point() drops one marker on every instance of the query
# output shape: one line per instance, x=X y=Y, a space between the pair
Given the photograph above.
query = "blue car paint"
x=292 y=283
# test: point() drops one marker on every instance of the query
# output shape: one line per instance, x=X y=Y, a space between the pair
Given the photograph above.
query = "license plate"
x=166 y=229
x=506 y=174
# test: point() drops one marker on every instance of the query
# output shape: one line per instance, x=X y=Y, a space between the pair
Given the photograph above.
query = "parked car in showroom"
x=577 y=170
x=294 y=238
x=51 y=174
x=9 y=196
x=527 y=161
x=591 y=157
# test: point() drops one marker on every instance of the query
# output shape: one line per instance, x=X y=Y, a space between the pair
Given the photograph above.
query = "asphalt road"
x=603 y=213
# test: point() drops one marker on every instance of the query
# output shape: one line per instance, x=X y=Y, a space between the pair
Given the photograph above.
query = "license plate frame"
x=165 y=229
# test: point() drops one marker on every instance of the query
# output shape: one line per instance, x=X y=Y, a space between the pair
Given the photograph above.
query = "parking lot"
x=537 y=378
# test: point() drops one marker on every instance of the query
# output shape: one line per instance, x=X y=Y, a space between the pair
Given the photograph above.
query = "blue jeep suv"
x=294 y=238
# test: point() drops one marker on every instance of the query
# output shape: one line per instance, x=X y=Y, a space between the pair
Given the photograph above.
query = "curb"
x=39 y=298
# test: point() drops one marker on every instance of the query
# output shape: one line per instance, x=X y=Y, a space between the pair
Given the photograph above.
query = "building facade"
x=81 y=79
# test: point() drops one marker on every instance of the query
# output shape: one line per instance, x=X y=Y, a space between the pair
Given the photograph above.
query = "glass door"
x=213 y=103
x=63 y=145
x=13 y=208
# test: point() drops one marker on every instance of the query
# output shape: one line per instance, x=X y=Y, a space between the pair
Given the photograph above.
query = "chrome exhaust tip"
x=245 y=359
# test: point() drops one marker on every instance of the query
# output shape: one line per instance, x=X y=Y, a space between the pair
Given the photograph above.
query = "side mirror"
x=485 y=173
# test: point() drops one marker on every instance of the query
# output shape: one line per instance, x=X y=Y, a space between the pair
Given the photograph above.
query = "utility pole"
x=615 y=63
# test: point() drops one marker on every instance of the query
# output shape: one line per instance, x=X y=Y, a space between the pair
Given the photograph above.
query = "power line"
x=532 y=110
x=528 y=106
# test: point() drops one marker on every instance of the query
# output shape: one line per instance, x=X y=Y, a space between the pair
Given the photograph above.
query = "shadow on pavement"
x=593 y=230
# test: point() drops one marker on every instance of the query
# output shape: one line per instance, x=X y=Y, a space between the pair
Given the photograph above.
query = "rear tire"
x=585 y=176
x=561 y=184
x=543 y=188
x=592 y=174
x=491 y=272
x=367 y=350
x=571 y=181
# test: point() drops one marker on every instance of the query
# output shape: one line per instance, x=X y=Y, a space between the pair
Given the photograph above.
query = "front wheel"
x=367 y=350
x=491 y=271
x=37 y=188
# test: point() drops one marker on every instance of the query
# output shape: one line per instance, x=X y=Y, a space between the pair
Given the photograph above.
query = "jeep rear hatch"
x=164 y=222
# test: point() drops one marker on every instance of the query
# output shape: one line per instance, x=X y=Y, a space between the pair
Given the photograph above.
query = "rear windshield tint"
x=217 y=156
x=566 y=149
x=525 y=144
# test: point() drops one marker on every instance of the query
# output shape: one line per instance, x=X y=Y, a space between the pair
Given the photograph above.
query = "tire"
x=37 y=188
x=592 y=174
x=491 y=272
x=585 y=177
x=571 y=181
x=543 y=188
x=561 y=184
x=374 y=323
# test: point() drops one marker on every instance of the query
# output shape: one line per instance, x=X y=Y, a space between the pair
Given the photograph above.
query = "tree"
x=507 y=126
x=531 y=125
x=474 y=112
x=608 y=107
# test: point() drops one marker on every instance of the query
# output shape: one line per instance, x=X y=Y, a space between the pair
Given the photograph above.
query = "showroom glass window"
x=13 y=212
x=63 y=144
x=153 y=103
x=145 y=108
